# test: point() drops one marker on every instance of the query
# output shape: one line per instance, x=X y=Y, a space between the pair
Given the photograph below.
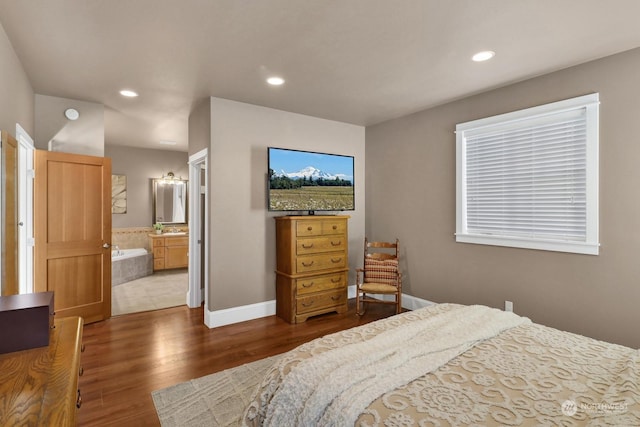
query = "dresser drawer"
x=158 y=263
x=319 y=301
x=321 y=283
x=305 y=264
x=314 y=245
x=315 y=228
x=334 y=227
x=308 y=228
x=157 y=241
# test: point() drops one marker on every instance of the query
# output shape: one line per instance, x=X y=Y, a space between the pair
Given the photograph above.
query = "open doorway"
x=198 y=212
x=149 y=270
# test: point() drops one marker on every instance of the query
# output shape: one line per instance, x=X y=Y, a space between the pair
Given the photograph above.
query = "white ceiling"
x=355 y=61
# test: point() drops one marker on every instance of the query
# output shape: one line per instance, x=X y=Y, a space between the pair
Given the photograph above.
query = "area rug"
x=214 y=400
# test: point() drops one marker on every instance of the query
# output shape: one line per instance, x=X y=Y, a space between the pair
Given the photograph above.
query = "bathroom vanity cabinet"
x=169 y=251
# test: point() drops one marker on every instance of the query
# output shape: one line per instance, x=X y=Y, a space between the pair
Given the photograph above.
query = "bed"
x=451 y=365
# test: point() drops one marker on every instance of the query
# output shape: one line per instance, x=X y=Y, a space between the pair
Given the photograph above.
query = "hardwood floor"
x=127 y=357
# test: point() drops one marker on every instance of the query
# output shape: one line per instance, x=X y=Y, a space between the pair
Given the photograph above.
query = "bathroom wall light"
x=71 y=114
x=170 y=178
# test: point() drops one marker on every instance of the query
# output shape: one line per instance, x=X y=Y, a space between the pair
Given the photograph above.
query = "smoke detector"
x=71 y=114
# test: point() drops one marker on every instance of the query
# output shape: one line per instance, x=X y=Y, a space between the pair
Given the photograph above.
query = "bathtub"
x=118 y=254
x=130 y=264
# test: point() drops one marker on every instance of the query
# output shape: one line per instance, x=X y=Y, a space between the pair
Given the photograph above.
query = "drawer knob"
x=307 y=247
x=335 y=280
x=309 y=228
x=307 y=285
x=79 y=400
x=335 y=227
x=336 y=244
x=82 y=348
x=308 y=304
x=307 y=265
x=336 y=297
x=336 y=260
x=81 y=371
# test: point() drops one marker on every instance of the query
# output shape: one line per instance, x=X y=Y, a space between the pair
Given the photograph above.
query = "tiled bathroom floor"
x=162 y=289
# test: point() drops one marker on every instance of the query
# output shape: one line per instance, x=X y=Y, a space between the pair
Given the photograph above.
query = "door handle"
x=106 y=245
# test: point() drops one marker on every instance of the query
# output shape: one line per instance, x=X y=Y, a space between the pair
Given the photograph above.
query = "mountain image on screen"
x=308 y=181
x=309 y=171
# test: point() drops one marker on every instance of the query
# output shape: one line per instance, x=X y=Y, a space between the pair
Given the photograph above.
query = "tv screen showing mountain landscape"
x=307 y=181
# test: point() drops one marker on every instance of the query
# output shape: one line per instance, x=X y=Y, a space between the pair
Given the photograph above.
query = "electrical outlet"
x=508 y=306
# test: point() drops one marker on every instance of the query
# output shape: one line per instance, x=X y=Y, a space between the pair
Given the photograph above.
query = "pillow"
x=381 y=271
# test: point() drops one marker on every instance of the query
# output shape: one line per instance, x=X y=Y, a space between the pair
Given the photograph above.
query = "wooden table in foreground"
x=39 y=387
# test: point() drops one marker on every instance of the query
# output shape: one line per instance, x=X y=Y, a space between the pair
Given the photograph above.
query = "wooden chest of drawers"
x=39 y=387
x=311 y=266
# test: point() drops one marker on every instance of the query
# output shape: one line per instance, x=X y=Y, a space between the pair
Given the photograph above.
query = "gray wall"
x=140 y=166
x=411 y=194
x=17 y=103
x=82 y=136
x=200 y=126
x=242 y=231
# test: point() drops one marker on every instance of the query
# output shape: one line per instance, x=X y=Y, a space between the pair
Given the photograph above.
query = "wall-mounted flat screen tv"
x=310 y=181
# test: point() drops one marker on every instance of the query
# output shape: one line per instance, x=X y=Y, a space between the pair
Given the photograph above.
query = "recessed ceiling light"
x=128 y=93
x=483 y=56
x=71 y=114
x=275 y=81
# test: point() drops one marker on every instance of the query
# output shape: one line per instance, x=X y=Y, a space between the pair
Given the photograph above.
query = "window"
x=529 y=179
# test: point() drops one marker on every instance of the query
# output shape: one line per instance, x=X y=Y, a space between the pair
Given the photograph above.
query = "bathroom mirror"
x=169 y=201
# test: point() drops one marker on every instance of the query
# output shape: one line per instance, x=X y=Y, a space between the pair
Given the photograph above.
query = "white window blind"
x=529 y=178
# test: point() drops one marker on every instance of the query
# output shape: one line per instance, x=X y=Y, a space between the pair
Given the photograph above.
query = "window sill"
x=537 y=244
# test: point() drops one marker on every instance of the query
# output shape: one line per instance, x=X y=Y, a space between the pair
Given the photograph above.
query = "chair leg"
x=399 y=303
x=358 y=302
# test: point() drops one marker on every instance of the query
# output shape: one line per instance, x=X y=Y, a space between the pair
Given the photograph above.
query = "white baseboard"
x=199 y=296
x=243 y=313
x=351 y=291
x=409 y=302
x=414 y=303
x=228 y=316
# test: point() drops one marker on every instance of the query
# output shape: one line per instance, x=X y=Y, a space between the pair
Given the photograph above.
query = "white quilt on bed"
x=333 y=388
x=526 y=376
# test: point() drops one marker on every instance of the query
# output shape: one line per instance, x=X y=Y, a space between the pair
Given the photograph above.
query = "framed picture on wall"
x=118 y=194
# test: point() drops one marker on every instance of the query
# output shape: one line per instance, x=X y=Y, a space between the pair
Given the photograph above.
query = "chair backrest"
x=381 y=250
x=381 y=262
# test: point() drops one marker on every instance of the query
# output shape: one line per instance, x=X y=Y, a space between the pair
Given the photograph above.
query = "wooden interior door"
x=72 y=228
x=9 y=214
